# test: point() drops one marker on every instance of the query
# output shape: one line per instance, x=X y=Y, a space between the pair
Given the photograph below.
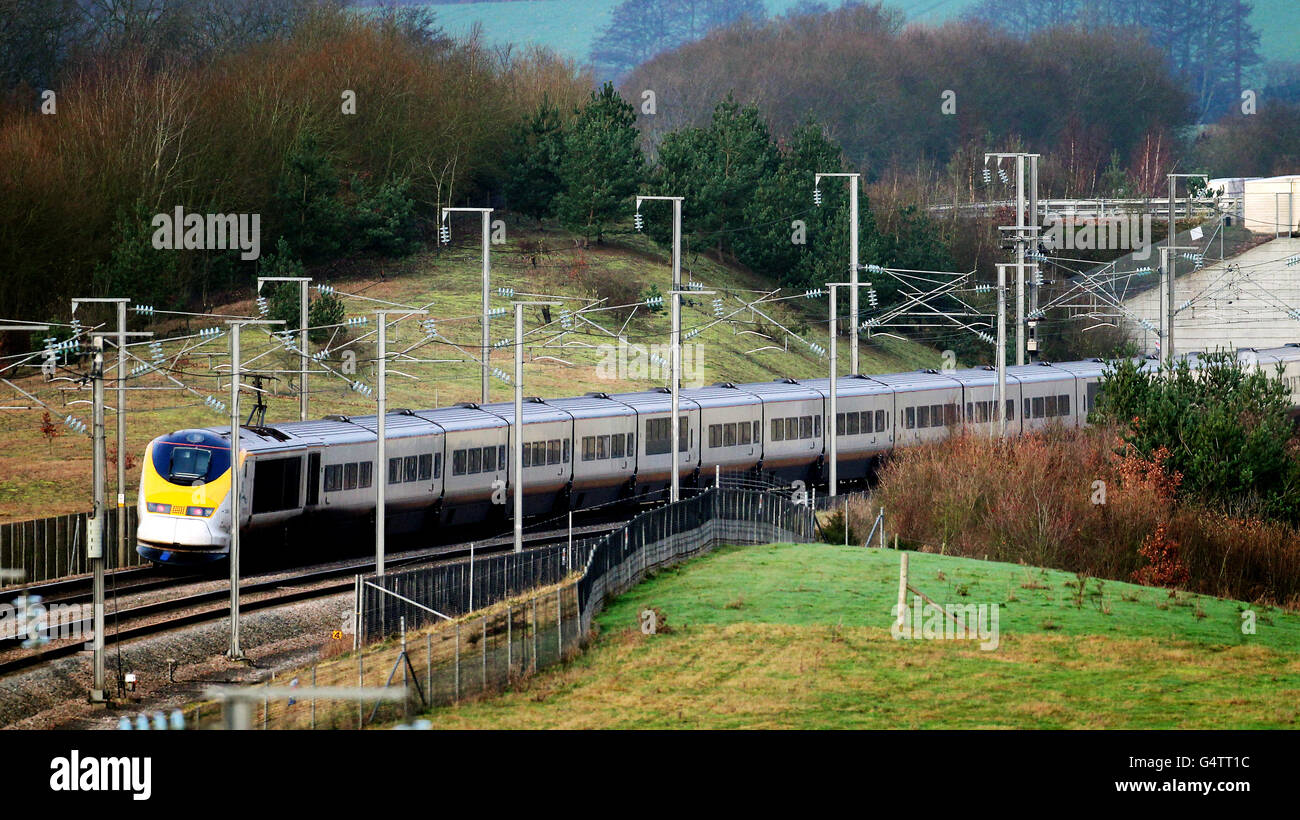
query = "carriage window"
x=910 y=418
x=850 y=425
x=553 y=451
x=742 y=433
x=475 y=465
x=333 y=478
x=839 y=424
x=615 y=446
x=539 y=453
x=350 y=476
x=791 y=428
x=1049 y=406
x=1090 y=401
x=1038 y=407
x=923 y=416
x=817 y=426
x=1063 y=405
x=437 y=465
x=950 y=414
x=1011 y=409
x=758 y=433
x=602 y=447
x=367 y=474
x=715 y=435
x=489 y=459
x=778 y=430
x=805 y=427
x=970 y=410
x=425 y=466
x=866 y=422
x=588 y=448
x=1028 y=414
x=501 y=455
x=658 y=434
x=458 y=462
x=936 y=415
x=528 y=455
x=729 y=435
x=881 y=423
x=566 y=447
x=686 y=435
x=395 y=468
x=409 y=470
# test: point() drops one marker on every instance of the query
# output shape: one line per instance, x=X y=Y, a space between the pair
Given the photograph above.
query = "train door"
x=313 y=479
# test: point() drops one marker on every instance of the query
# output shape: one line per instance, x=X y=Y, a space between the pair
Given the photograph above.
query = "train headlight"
x=158 y=508
x=202 y=512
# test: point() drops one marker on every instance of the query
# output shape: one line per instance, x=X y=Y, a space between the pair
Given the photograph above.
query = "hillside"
x=798 y=637
x=40 y=478
x=569 y=27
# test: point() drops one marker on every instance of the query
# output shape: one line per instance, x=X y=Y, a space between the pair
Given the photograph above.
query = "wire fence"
x=49 y=548
x=421 y=628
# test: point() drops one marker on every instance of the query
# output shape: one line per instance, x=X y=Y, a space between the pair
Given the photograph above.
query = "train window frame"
x=410 y=468
x=458 y=460
x=474 y=461
x=742 y=434
x=791 y=428
x=805 y=428
x=729 y=434
x=909 y=418
x=866 y=425
x=1037 y=407
x=852 y=425
x=715 y=435
x=365 y=475
x=950 y=414
x=350 y=471
x=923 y=416
x=424 y=467
x=882 y=421
x=333 y=478
x=778 y=429
x=526 y=455
x=395 y=470
x=616 y=442
x=552 y=451
x=437 y=466
x=658 y=437
x=1049 y=406
x=588 y=448
x=817 y=426
x=565 y=443
x=758 y=432
x=1063 y=404
x=839 y=424
x=490 y=459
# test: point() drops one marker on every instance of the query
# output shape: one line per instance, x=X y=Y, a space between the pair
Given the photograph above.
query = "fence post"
x=902 y=590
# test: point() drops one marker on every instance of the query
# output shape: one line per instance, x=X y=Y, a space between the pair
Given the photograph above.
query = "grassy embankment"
x=798 y=636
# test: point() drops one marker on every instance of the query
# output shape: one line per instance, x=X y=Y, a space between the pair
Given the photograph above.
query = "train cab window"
x=364 y=479
x=1063 y=405
x=715 y=435
x=553 y=450
x=489 y=459
x=424 y=467
x=474 y=463
x=729 y=435
x=437 y=465
x=742 y=433
x=588 y=448
x=910 y=418
x=923 y=416
x=778 y=430
x=333 y=478
x=458 y=461
x=850 y=425
x=410 y=468
x=350 y=476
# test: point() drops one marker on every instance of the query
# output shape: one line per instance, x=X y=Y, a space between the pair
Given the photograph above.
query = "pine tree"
x=602 y=165
x=532 y=163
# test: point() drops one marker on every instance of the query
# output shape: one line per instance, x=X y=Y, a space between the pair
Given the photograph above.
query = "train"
x=448 y=467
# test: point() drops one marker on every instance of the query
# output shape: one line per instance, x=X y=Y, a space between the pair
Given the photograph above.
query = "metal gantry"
x=517 y=443
x=486 y=348
x=303 y=357
x=380 y=475
x=854 y=318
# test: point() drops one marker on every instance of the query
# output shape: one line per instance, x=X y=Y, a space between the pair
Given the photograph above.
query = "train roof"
x=780 y=390
x=655 y=401
x=848 y=386
x=533 y=411
x=599 y=405
x=1038 y=372
x=398 y=424
x=978 y=376
x=461 y=418
x=916 y=380
x=717 y=396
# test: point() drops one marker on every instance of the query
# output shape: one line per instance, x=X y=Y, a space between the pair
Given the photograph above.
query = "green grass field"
x=40 y=478
x=798 y=636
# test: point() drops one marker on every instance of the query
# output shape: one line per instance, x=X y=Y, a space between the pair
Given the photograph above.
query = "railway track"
x=314 y=582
